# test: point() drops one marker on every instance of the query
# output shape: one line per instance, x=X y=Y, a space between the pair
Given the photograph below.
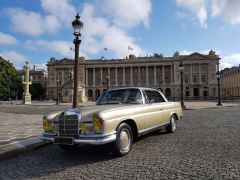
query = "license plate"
x=64 y=140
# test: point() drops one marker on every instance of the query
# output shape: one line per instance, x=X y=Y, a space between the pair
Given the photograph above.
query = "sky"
x=36 y=30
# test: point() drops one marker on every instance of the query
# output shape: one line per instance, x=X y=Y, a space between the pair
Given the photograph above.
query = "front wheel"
x=173 y=125
x=124 y=140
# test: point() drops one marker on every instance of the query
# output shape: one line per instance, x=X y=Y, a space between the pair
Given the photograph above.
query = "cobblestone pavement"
x=17 y=127
x=205 y=146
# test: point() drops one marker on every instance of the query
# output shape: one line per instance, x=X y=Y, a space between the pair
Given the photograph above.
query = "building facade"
x=230 y=82
x=156 y=71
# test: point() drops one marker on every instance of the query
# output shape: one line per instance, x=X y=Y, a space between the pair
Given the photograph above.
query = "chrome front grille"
x=68 y=125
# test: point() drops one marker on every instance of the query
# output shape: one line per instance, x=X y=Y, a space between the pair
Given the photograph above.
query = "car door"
x=154 y=109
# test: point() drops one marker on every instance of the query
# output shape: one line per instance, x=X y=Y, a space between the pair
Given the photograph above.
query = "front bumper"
x=84 y=139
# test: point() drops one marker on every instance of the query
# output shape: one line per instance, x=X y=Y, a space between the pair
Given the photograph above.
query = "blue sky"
x=36 y=30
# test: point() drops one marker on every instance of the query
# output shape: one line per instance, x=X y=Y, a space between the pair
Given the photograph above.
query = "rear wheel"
x=173 y=125
x=124 y=140
x=68 y=147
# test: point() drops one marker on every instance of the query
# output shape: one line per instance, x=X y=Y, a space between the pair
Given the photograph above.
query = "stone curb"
x=201 y=107
x=14 y=149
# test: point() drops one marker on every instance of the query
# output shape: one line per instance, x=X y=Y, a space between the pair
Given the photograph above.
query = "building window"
x=195 y=67
x=195 y=78
x=186 y=67
x=186 y=79
x=204 y=79
x=150 y=80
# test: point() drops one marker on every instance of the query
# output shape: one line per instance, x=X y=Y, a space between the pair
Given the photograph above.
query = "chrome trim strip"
x=96 y=135
x=144 y=131
x=94 y=140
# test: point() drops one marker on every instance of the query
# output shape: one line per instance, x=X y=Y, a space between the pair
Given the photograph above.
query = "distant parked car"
x=119 y=116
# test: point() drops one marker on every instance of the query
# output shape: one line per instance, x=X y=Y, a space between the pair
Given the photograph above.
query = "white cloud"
x=230 y=60
x=31 y=23
x=197 y=7
x=7 y=39
x=229 y=10
x=226 y=9
x=60 y=47
x=16 y=58
x=185 y=52
x=127 y=13
x=99 y=33
x=62 y=10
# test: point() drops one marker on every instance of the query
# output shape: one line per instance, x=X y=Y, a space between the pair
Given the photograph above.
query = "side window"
x=154 y=96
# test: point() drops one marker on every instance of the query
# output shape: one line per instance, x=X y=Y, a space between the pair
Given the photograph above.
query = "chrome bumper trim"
x=94 y=140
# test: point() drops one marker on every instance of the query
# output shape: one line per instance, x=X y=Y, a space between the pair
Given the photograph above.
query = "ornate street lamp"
x=219 y=96
x=77 y=25
x=107 y=78
x=181 y=68
x=26 y=80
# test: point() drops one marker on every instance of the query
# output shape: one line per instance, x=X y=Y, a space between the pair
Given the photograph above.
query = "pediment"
x=65 y=61
x=195 y=56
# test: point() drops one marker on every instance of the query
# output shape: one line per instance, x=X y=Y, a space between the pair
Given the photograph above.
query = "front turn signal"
x=47 y=125
x=97 y=123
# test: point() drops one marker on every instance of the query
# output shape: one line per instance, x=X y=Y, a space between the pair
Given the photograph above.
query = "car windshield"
x=121 y=96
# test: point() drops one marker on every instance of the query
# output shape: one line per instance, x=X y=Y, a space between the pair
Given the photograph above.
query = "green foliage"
x=37 y=91
x=9 y=82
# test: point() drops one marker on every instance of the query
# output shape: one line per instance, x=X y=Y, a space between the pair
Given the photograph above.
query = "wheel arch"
x=174 y=114
x=133 y=126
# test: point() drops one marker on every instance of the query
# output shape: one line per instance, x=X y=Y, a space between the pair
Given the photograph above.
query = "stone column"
x=116 y=77
x=147 y=83
x=101 y=78
x=199 y=74
x=124 y=76
x=139 y=76
x=62 y=78
x=93 y=76
x=109 y=77
x=86 y=83
x=191 y=74
x=163 y=75
x=131 y=75
x=155 y=76
x=26 y=82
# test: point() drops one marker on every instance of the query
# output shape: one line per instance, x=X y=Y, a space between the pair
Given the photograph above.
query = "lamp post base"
x=183 y=107
x=27 y=99
x=219 y=104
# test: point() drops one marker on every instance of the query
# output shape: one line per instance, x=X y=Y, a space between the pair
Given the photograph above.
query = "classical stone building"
x=155 y=71
x=230 y=82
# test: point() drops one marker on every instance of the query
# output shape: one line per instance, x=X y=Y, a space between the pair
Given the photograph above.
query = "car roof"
x=141 y=88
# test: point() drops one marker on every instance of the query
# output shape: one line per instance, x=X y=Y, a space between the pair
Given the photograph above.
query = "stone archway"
x=90 y=95
x=97 y=94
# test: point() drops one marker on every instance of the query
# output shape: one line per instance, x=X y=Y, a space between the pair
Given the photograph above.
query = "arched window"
x=97 y=93
x=90 y=94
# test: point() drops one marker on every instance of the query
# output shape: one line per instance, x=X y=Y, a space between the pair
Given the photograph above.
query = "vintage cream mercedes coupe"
x=120 y=116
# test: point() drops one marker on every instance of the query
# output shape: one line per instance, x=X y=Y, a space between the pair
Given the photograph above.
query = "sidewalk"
x=21 y=125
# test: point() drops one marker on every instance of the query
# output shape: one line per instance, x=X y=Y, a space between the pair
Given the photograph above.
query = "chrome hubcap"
x=173 y=122
x=125 y=139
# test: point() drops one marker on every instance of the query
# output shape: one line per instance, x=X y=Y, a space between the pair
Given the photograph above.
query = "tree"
x=37 y=91
x=10 y=84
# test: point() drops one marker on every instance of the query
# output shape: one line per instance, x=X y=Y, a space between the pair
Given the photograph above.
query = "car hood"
x=88 y=111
